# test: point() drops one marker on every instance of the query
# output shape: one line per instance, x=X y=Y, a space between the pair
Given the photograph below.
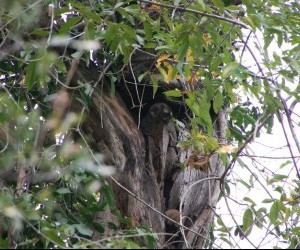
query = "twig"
x=249 y=140
x=287 y=139
x=269 y=157
x=222 y=18
x=278 y=113
x=45 y=236
x=226 y=228
x=155 y=210
x=233 y=218
x=136 y=89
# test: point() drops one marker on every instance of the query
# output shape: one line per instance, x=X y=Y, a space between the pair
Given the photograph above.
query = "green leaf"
x=66 y=27
x=274 y=213
x=60 y=65
x=31 y=75
x=176 y=2
x=241 y=162
x=218 y=102
x=248 y=220
x=113 y=80
x=276 y=178
x=40 y=32
x=212 y=143
x=229 y=68
x=173 y=93
x=203 y=113
x=249 y=200
x=281 y=206
x=268 y=200
x=63 y=191
x=148 y=31
x=83 y=229
x=142 y=76
x=86 y=11
x=154 y=82
x=219 y=4
x=53 y=235
x=244 y=183
x=77 y=54
x=183 y=48
x=227 y=188
x=285 y=164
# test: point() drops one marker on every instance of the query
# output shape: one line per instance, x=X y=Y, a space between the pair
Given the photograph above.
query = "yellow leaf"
x=293 y=192
x=161 y=59
x=200 y=136
x=206 y=38
x=166 y=70
x=215 y=74
x=170 y=72
x=163 y=72
x=226 y=149
x=189 y=56
x=289 y=199
x=193 y=78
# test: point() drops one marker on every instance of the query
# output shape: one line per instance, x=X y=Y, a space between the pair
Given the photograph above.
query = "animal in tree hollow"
x=161 y=137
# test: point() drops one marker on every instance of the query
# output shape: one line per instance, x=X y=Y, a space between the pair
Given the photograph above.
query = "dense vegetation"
x=211 y=60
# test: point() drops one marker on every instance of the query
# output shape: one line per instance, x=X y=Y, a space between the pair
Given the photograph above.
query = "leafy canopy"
x=223 y=52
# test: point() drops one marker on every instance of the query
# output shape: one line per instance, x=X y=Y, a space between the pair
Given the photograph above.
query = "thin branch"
x=158 y=212
x=258 y=180
x=287 y=139
x=245 y=45
x=136 y=89
x=233 y=218
x=287 y=112
x=115 y=237
x=51 y=12
x=45 y=236
x=6 y=140
x=226 y=228
x=269 y=157
x=222 y=18
x=249 y=140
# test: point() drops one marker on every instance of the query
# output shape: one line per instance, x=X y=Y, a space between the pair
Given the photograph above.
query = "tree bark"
x=114 y=133
x=113 y=130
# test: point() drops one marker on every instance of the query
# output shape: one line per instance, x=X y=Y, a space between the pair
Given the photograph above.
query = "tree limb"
x=222 y=18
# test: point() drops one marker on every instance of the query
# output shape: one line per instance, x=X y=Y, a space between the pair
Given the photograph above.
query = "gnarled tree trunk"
x=190 y=195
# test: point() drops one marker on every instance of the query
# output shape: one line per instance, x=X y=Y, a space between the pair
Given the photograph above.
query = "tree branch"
x=52 y=175
x=222 y=18
x=239 y=151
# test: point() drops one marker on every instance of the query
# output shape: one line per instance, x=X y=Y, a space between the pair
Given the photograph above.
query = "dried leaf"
x=198 y=161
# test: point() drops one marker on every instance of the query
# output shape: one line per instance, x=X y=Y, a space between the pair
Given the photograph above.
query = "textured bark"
x=198 y=195
x=114 y=132
x=112 y=129
x=123 y=144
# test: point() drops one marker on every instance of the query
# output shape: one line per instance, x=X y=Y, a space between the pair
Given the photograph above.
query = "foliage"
x=207 y=45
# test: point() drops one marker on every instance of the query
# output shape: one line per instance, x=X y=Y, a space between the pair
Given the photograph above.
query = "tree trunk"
x=190 y=193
